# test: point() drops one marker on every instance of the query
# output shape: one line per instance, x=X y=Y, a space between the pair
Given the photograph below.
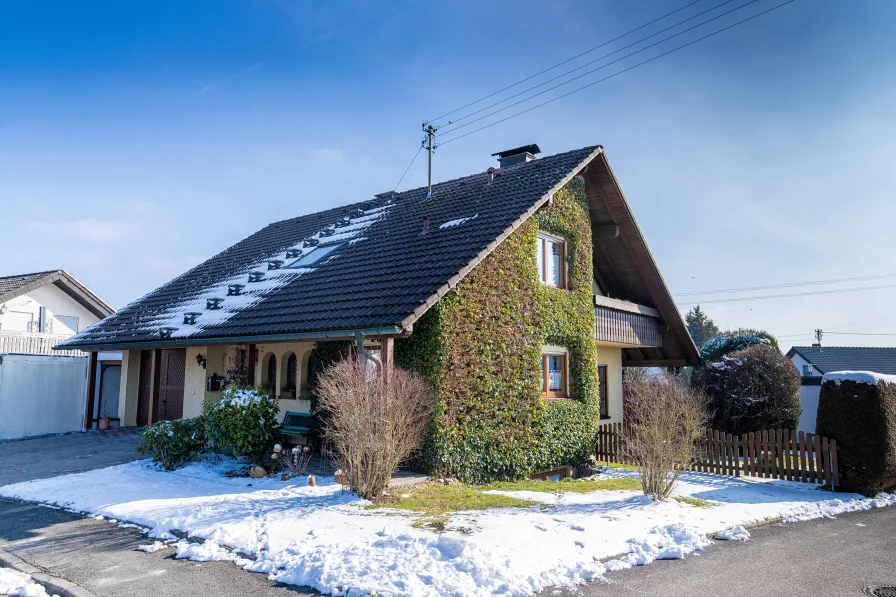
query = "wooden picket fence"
x=774 y=454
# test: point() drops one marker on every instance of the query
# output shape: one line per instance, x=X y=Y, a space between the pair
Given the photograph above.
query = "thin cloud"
x=335 y=32
x=226 y=80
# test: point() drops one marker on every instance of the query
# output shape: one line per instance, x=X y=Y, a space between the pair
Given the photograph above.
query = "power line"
x=414 y=159
x=783 y=285
x=559 y=64
x=793 y=294
x=690 y=43
x=580 y=67
x=859 y=334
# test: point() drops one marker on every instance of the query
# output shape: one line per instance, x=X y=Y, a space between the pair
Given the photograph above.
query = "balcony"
x=34 y=343
x=626 y=323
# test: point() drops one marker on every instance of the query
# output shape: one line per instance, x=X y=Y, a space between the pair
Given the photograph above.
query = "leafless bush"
x=293 y=460
x=372 y=421
x=664 y=421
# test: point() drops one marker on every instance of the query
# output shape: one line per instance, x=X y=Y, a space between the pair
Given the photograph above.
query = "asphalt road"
x=821 y=557
x=102 y=558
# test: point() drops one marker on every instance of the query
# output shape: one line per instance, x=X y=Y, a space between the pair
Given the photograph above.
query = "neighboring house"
x=514 y=291
x=42 y=391
x=812 y=362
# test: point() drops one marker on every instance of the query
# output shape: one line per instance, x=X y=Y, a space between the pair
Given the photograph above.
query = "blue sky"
x=140 y=138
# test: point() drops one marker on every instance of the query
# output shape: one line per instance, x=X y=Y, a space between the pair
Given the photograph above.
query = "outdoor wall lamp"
x=200 y=360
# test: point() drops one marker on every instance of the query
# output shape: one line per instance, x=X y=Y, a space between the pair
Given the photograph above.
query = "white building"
x=812 y=362
x=41 y=390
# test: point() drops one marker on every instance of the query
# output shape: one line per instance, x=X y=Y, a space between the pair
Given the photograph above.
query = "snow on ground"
x=324 y=538
x=19 y=584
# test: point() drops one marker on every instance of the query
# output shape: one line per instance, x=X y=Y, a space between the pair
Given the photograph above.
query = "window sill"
x=605 y=417
x=543 y=397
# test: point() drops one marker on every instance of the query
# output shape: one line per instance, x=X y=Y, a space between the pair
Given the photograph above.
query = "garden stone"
x=257 y=472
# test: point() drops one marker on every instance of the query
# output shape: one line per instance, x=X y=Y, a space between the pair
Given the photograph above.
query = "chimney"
x=526 y=153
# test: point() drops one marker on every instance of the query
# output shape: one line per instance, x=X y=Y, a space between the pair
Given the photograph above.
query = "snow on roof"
x=457 y=222
x=868 y=377
x=220 y=302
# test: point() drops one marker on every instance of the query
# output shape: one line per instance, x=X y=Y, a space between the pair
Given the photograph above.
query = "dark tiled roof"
x=11 y=285
x=827 y=359
x=377 y=282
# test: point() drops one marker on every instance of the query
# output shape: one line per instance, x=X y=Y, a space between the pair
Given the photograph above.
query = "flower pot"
x=104 y=422
x=284 y=477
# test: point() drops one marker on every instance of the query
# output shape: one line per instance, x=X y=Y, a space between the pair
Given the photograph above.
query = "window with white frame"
x=552 y=260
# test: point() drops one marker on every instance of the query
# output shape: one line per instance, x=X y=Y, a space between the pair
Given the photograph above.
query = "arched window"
x=292 y=372
x=272 y=373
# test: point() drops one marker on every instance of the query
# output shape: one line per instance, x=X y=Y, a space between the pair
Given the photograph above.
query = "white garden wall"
x=41 y=394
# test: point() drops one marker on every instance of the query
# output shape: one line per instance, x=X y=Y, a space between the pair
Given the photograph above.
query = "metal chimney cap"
x=533 y=149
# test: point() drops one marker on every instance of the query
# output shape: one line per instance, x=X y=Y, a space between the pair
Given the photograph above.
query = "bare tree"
x=664 y=421
x=372 y=421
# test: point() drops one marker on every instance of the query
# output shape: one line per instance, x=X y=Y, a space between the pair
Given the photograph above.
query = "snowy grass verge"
x=330 y=540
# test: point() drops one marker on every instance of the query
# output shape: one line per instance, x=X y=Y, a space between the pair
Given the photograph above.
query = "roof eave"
x=255 y=338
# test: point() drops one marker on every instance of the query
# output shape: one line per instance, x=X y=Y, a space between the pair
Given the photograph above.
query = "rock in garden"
x=257 y=472
x=311 y=481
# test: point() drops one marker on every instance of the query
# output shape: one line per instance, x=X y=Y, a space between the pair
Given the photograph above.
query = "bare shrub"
x=664 y=421
x=372 y=421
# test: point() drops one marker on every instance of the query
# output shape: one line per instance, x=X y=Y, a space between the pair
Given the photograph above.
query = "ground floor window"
x=604 y=402
x=554 y=375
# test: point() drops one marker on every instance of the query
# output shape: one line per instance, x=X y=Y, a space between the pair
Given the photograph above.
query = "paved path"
x=821 y=557
x=56 y=455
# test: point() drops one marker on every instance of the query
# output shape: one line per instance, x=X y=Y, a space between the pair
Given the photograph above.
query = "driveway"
x=95 y=555
x=837 y=556
x=56 y=455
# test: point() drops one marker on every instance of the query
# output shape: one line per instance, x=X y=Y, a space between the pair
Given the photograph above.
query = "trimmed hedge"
x=862 y=418
x=244 y=422
x=729 y=342
x=480 y=349
x=172 y=444
x=751 y=390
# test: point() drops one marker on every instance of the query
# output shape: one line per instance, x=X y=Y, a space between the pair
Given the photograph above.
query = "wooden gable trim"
x=69 y=285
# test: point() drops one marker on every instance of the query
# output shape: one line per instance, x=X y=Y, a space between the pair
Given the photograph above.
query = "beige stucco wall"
x=611 y=356
x=56 y=301
x=129 y=385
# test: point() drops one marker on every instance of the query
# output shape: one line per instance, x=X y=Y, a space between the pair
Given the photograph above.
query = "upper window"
x=68 y=324
x=808 y=371
x=314 y=256
x=552 y=260
x=554 y=375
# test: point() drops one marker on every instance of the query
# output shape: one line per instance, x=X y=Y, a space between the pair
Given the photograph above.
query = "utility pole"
x=818 y=334
x=430 y=146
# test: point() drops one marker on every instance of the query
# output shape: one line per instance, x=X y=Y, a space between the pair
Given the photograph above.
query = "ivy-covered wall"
x=480 y=348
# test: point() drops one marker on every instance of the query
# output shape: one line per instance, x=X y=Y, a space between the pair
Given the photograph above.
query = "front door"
x=171 y=384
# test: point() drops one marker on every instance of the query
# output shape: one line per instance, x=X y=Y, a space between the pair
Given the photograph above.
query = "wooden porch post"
x=387 y=353
x=154 y=379
x=250 y=373
x=91 y=389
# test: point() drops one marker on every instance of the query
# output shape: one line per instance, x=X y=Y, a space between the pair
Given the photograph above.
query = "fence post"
x=736 y=457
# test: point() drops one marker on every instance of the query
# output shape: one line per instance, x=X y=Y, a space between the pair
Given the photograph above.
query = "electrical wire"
x=559 y=64
x=406 y=170
x=784 y=285
x=859 y=334
x=793 y=294
x=690 y=43
x=580 y=67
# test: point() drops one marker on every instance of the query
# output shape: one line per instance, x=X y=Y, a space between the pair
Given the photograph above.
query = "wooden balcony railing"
x=626 y=323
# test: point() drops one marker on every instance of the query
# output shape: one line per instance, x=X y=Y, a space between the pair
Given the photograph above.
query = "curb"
x=53 y=584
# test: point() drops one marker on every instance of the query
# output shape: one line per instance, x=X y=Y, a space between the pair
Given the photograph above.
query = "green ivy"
x=480 y=349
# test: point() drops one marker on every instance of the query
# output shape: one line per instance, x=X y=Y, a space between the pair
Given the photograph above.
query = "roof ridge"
x=43 y=273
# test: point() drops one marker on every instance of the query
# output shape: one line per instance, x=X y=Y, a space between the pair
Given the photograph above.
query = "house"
x=812 y=362
x=42 y=391
x=521 y=293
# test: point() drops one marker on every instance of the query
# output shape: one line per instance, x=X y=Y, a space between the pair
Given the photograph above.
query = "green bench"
x=296 y=425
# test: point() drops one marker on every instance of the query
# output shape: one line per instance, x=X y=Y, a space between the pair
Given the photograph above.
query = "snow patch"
x=19 y=584
x=152 y=547
x=457 y=222
x=738 y=533
x=868 y=377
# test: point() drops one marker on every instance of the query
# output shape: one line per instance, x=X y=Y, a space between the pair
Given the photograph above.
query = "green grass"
x=433 y=504
x=624 y=467
x=572 y=485
x=692 y=501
